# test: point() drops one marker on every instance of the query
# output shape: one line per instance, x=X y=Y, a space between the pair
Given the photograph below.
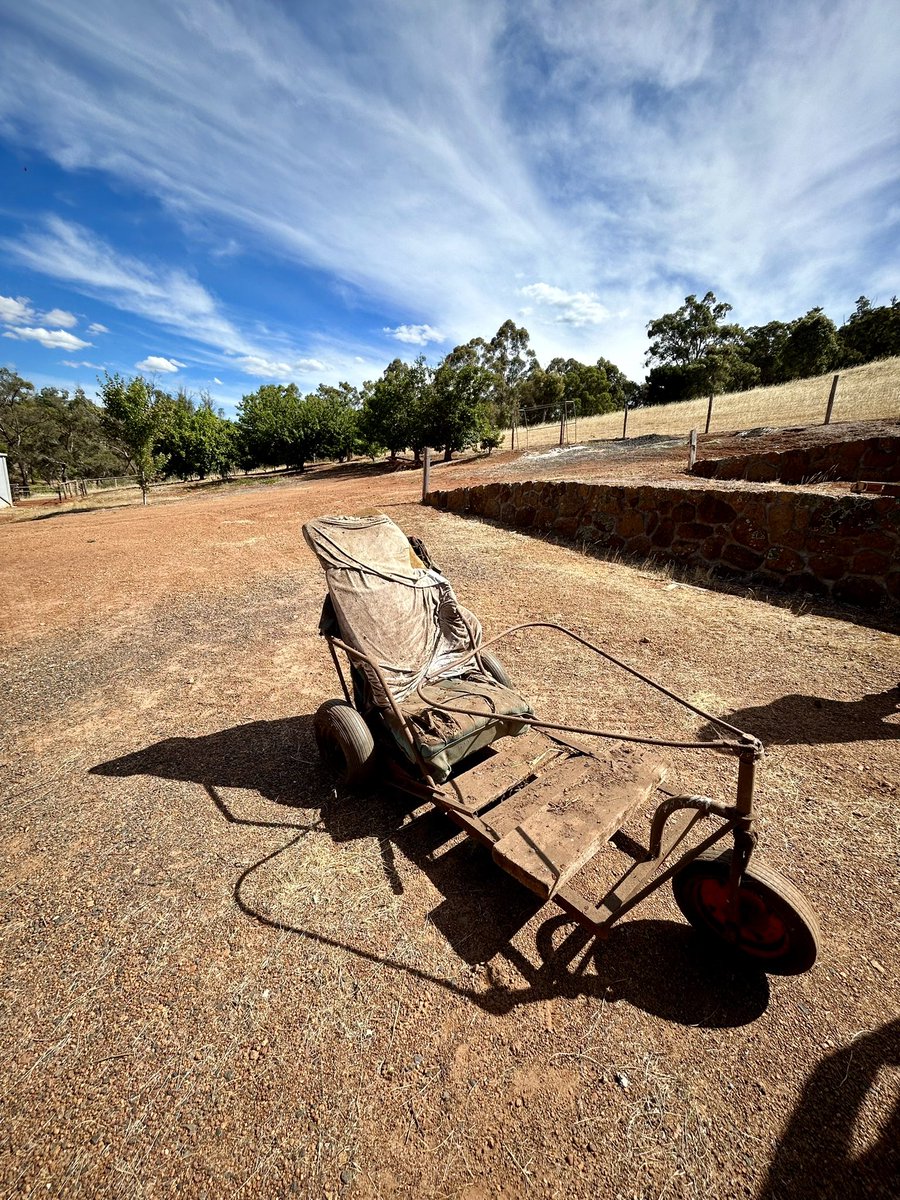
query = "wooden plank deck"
x=549 y=829
x=509 y=764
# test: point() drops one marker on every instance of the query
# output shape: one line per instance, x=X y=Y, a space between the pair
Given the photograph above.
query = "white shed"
x=5 y=489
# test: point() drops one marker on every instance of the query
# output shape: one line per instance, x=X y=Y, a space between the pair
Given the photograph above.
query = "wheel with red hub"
x=772 y=924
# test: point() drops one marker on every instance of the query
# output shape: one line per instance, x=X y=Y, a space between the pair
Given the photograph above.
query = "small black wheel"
x=345 y=742
x=774 y=925
x=495 y=668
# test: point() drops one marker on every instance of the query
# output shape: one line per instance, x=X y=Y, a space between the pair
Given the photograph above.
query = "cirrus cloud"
x=53 y=339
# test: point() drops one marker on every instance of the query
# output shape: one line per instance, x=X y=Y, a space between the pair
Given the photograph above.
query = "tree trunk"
x=448 y=454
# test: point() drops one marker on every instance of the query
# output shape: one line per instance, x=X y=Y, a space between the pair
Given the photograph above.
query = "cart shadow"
x=659 y=966
x=797 y=720
x=818 y=1155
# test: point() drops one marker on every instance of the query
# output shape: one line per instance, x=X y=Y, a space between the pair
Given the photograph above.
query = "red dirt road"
x=221 y=978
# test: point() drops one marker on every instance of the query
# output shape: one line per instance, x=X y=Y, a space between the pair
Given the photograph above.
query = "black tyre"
x=345 y=742
x=774 y=927
x=495 y=668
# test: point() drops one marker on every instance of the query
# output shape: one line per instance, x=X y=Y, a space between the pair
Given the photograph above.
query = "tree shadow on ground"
x=662 y=967
x=815 y=720
x=815 y=1158
x=76 y=512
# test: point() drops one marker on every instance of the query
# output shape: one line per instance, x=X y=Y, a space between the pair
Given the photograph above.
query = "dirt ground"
x=222 y=977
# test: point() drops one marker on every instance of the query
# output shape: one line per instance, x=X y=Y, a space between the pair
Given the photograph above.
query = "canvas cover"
x=390 y=605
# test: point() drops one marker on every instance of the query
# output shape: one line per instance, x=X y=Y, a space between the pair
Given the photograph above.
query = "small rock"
x=877 y=965
x=622 y=1080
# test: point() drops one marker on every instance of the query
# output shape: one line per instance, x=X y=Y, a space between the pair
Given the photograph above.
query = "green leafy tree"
x=195 y=439
x=871 y=332
x=133 y=418
x=509 y=357
x=339 y=418
x=763 y=348
x=20 y=421
x=695 y=353
x=812 y=347
x=393 y=411
x=540 y=396
x=622 y=390
x=585 y=387
x=456 y=410
x=277 y=427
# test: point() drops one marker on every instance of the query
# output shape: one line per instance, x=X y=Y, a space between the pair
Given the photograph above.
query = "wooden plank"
x=513 y=761
x=555 y=840
x=555 y=782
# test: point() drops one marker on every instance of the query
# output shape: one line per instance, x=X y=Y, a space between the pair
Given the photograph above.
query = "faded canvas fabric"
x=389 y=605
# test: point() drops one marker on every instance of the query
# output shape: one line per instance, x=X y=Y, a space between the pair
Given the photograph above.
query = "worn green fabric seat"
x=445 y=739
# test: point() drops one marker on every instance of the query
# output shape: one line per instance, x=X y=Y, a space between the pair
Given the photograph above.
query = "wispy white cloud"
x=635 y=150
x=269 y=368
x=60 y=318
x=16 y=310
x=568 y=308
x=96 y=328
x=53 y=339
x=218 y=381
x=168 y=296
x=156 y=362
x=414 y=335
x=67 y=362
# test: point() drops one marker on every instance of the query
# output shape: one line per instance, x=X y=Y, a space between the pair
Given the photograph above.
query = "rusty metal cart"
x=430 y=710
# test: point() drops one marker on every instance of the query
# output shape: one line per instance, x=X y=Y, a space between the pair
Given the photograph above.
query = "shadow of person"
x=816 y=1158
x=815 y=720
x=660 y=966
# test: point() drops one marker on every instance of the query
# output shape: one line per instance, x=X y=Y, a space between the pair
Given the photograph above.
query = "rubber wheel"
x=776 y=928
x=495 y=669
x=345 y=742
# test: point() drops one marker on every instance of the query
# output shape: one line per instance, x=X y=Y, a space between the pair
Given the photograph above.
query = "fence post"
x=708 y=414
x=426 y=472
x=831 y=397
x=625 y=423
x=562 y=424
x=692 y=452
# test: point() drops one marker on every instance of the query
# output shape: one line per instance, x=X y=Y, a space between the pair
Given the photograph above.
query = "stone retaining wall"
x=845 y=546
x=876 y=458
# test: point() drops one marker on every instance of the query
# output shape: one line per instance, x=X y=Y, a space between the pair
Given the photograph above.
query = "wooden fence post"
x=426 y=472
x=708 y=414
x=692 y=452
x=625 y=423
x=831 y=397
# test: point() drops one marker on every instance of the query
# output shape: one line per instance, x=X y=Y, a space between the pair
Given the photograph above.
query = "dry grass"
x=867 y=393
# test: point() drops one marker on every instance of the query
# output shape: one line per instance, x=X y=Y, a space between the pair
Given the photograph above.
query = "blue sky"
x=228 y=194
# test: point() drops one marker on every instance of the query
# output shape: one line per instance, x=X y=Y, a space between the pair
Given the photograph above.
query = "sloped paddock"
x=846 y=547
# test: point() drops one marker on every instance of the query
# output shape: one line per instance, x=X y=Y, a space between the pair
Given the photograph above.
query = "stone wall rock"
x=875 y=458
x=844 y=546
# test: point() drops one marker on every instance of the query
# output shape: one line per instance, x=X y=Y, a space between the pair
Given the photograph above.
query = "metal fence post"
x=708 y=414
x=426 y=472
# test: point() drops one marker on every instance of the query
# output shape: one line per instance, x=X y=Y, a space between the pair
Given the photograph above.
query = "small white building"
x=5 y=489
